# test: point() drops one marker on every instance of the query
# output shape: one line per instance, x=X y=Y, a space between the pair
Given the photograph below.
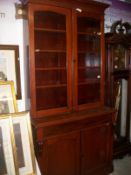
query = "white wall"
x=11 y=33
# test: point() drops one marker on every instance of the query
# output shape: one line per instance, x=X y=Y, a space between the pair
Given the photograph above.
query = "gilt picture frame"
x=7 y=97
x=10 y=66
x=7 y=150
x=24 y=143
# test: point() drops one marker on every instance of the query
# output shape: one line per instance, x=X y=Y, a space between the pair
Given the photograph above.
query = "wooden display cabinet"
x=118 y=81
x=67 y=59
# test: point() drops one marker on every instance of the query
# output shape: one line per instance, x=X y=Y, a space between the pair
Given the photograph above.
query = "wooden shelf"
x=51 y=51
x=88 y=67
x=87 y=51
x=97 y=34
x=51 y=86
x=50 y=68
x=50 y=30
x=90 y=81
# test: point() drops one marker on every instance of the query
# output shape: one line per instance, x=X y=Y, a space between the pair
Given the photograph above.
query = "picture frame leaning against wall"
x=8 y=102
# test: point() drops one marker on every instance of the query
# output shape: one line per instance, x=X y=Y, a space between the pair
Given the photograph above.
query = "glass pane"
x=119 y=55
x=88 y=44
x=88 y=74
x=49 y=20
x=89 y=60
x=54 y=97
x=51 y=77
x=50 y=41
x=88 y=25
x=88 y=93
x=50 y=60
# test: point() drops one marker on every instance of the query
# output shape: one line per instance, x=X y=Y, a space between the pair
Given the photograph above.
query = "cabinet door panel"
x=50 y=60
x=88 y=39
x=62 y=155
x=88 y=45
x=95 y=147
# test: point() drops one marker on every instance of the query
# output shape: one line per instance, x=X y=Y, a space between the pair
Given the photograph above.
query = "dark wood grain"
x=72 y=128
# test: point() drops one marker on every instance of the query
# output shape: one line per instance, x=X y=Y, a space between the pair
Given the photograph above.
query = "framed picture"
x=7 y=161
x=10 y=66
x=7 y=97
x=24 y=143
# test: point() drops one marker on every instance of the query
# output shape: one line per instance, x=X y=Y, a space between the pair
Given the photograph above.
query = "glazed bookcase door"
x=89 y=60
x=50 y=61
